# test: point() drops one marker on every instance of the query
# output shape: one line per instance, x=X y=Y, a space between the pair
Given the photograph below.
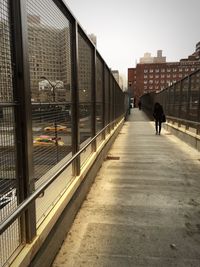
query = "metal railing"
x=24 y=205
x=58 y=102
x=181 y=101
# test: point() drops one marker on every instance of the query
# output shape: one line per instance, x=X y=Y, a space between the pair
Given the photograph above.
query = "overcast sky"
x=127 y=29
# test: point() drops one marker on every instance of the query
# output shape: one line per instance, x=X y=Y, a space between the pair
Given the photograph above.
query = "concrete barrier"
x=187 y=135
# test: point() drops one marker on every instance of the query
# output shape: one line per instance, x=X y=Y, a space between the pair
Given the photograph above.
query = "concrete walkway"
x=144 y=207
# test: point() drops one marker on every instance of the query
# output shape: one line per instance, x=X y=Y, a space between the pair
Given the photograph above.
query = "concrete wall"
x=189 y=136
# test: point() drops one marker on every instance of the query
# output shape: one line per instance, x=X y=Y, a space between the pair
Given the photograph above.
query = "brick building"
x=151 y=77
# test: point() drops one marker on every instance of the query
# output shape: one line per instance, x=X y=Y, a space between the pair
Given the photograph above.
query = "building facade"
x=154 y=77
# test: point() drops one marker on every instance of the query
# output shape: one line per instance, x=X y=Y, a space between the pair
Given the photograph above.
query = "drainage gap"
x=110 y=157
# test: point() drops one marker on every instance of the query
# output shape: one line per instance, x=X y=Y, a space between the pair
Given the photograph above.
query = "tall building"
x=153 y=77
x=49 y=56
x=147 y=58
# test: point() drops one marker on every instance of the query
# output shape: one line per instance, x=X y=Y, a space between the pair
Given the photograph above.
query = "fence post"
x=198 y=108
x=23 y=115
x=75 y=99
x=188 y=101
x=180 y=101
x=103 y=102
x=93 y=96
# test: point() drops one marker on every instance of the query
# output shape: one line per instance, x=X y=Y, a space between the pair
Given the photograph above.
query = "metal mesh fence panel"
x=184 y=98
x=194 y=97
x=99 y=95
x=85 y=93
x=107 y=99
x=11 y=238
x=49 y=47
x=49 y=41
x=171 y=100
x=181 y=100
x=111 y=100
x=177 y=91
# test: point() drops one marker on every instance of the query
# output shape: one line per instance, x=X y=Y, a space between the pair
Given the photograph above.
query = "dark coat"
x=158 y=112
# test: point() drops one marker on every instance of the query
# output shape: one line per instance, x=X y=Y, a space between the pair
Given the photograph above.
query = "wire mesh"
x=10 y=239
x=177 y=91
x=184 y=98
x=85 y=93
x=49 y=44
x=107 y=99
x=194 y=97
x=99 y=94
x=50 y=65
x=181 y=100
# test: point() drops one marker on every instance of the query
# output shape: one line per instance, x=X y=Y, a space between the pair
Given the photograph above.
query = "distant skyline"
x=127 y=29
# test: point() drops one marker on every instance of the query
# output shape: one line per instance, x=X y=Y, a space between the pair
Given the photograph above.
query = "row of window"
x=157 y=76
x=153 y=88
x=169 y=70
x=158 y=82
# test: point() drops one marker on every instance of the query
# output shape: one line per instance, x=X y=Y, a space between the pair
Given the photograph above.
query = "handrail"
x=24 y=205
x=184 y=120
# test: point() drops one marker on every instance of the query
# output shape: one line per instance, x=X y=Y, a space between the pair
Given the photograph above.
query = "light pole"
x=53 y=86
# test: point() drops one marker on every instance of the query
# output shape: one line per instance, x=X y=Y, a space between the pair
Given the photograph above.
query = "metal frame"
x=23 y=115
x=27 y=194
x=75 y=99
x=93 y=96
x=27 y=202
x=103 y=100
x=166 y=93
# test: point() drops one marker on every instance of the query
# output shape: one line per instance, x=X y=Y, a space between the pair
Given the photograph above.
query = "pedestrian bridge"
x=64 y=127
x=144 y=206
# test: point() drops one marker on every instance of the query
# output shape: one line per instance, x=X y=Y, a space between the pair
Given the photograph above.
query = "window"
x=145 y=81
x=174 y=69
x=162 y=75
x=162 y=70
x=151 y=76
x=168 y=70
x=145 y=71
x=157 y=76
x=151 y=70
x=157 y=70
